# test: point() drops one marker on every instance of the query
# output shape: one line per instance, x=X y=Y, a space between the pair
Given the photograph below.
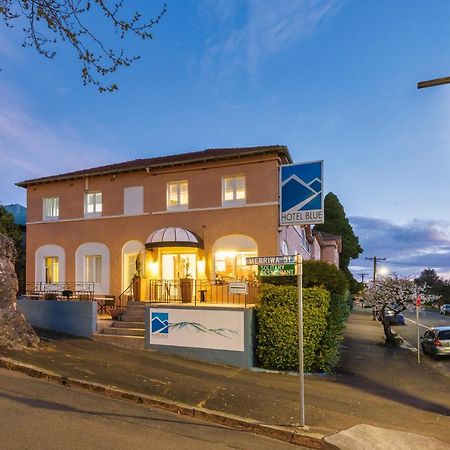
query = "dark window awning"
x=173 y=237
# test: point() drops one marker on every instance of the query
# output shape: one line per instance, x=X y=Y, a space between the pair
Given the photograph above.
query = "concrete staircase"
x=129 y=331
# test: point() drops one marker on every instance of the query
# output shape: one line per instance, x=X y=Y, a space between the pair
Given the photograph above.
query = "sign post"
x=300 y=339
x=301 y=203
x=418 y=303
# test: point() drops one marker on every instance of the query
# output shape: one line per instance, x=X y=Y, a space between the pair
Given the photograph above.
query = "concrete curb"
x=424 y=359
x=293 y=435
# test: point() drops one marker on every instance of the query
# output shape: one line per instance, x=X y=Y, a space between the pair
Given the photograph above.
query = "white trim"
x=214 y=208
x=179 y=206
x=131 y=247
x=39 y=264
x=96 y=204
x=93 y=248
x=45 y=202
x=234 y=201
x=90 y=218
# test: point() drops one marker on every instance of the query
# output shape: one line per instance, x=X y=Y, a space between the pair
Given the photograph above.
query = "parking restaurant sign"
x=301 y=193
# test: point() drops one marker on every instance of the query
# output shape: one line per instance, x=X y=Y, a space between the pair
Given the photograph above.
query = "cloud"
x=31 y=148
x=268 y=27
x=408 y=248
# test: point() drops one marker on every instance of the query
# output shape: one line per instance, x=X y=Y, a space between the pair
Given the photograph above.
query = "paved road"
x=39 y=415
x=427 y=319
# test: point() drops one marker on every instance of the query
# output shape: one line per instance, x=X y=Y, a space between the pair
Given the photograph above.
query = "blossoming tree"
x=394 y=293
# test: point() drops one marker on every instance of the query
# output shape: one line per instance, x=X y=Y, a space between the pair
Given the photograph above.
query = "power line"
x=375 y=259
x=362 y=276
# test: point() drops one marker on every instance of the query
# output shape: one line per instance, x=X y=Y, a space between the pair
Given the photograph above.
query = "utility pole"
x=375 y=259
x=362 y=276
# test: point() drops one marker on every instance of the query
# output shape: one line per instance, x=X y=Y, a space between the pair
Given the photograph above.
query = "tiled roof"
x=213 y=154
x=325 y=236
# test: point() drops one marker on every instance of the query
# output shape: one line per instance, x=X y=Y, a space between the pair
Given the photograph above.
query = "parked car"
x=393 y=318
x=436 y=341
x=445 y=309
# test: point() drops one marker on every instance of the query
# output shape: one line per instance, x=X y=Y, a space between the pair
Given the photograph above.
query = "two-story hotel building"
x=196 y=214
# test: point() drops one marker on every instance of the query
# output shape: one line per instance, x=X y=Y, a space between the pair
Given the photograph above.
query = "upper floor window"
x=51 y=208
x=93 y=268
x=233 y=189
x=93 y=203
x=177 y=195
x=51 y=269
x=133 y=200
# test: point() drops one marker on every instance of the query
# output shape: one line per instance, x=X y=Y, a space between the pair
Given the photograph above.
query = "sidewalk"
x=375 y=385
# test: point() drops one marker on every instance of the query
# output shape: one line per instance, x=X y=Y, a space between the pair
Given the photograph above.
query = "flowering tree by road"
x=394 y=294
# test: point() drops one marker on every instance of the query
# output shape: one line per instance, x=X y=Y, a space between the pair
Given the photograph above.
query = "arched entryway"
x=229 y=255
x=132 y=262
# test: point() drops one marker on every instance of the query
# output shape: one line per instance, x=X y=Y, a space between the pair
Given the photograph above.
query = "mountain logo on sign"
x=295 y=188
x=160 y=323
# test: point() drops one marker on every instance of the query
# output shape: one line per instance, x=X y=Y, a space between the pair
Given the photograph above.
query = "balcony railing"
x=59 y=291
x=198 y=292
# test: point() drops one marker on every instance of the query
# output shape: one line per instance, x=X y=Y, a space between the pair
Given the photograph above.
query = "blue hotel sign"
x=301 y=193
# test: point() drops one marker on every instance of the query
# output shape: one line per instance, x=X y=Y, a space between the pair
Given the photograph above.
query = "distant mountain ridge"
x=19 y=213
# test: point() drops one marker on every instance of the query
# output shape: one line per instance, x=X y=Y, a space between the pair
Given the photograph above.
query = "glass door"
x=173 y=267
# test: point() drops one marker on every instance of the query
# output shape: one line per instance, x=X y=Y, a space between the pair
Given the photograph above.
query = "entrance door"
x=175 y=266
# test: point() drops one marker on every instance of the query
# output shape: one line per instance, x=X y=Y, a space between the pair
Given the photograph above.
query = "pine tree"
x=336 y=222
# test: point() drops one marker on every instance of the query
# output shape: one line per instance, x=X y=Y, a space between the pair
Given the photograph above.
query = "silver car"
x=436 y=341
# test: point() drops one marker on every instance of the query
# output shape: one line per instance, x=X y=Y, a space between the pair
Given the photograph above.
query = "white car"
x=445 y=309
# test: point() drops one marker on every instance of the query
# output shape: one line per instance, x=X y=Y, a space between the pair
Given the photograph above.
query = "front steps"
x=128 y=332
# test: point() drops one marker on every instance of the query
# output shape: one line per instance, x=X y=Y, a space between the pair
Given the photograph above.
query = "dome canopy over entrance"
x=173 y=237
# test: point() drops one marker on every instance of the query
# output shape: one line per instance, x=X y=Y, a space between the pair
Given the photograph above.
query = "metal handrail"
x=124 y=292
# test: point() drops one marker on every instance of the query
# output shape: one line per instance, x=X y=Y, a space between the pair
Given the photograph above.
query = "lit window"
x=51 y=208
x=93 y=268
x=233 y=189
x=93 y=203
x=51 y=269
x=177 y=195
x=232 y=265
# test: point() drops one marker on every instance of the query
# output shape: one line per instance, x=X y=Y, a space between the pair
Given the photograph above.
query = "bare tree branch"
x=48 y=21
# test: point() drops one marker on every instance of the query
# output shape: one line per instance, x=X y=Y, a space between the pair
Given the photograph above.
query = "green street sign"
x=276 y=270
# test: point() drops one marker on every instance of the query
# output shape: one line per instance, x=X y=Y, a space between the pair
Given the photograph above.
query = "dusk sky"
x=331 y=79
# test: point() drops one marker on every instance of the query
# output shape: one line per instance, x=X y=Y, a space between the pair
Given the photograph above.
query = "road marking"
x=420 y=325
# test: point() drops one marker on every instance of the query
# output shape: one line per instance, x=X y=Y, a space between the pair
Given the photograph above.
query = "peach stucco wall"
x=205 y=217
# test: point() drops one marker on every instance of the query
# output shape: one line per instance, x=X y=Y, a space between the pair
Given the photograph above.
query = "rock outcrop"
x=15 y=332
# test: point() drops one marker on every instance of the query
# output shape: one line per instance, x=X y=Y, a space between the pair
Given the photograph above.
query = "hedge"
x=277 y=327
x=326 y=308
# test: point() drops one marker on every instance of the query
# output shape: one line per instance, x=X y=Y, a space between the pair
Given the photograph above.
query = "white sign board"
x=197 y=328
x=301 y=193
x=238 y=288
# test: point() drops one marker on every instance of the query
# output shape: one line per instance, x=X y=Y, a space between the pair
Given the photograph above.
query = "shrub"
x=277 y=326
x=280 y=304
x=319 y=273
x=327 y=355
x=315 y=273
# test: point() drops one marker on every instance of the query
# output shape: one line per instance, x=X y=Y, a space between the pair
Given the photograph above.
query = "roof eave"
x=73 y=176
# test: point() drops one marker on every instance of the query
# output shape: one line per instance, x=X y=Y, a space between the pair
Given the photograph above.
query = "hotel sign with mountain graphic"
x=301 y=193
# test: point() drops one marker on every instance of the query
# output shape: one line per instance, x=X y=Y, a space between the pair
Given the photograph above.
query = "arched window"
x=50 y=264
x=92 y=265
x=230 y=253
x=132 y=251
